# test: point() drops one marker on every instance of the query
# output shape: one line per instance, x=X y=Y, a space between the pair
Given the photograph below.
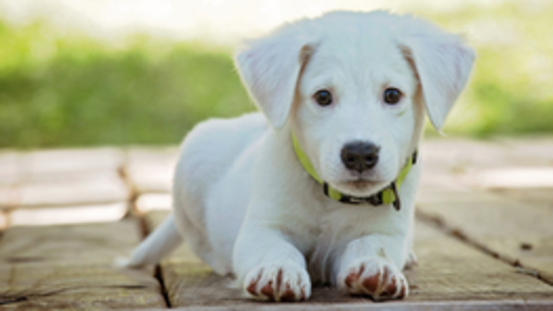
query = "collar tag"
x=397 y=201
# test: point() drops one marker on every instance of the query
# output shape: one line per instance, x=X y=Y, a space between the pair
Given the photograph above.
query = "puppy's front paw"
x=374 y=277
x=278 y=282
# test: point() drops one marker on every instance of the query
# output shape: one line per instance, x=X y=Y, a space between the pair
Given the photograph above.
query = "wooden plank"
x=453 y=164
x=62 y=164
x=513 y=219
x=520 y=233
x=148 y=202
x=512 y=177
x=536 y=150
x=497 y=152
x=503 y=305
x=11 y=168
x=3 y=221
x=513 y=167
x=10 y=174
x=8 y=197
x=151 y=170
x=542 y=196
x=61 y=177
x=100 y=187
x=69 y=214
x=451 y=270
x=448 y=271
x=72 y=267
x=456 y=153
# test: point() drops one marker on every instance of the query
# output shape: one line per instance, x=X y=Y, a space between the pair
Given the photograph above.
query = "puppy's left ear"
x=443 y=64
x=270 y=69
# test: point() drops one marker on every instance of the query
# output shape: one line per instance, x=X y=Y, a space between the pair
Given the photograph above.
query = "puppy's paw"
x=374 y=277
x=278 y=282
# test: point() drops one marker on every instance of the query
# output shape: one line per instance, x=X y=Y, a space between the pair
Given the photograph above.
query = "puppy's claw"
x=267 y=290
x=287 y=282
x=375 y=278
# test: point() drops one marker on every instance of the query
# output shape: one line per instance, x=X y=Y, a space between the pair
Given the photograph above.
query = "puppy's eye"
x=323 y=98
x=392 y=96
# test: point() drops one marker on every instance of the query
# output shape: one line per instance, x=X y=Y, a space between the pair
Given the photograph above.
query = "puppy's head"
x=354 y=87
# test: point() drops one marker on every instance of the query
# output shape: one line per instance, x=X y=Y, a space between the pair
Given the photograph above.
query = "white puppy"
x=324 y=191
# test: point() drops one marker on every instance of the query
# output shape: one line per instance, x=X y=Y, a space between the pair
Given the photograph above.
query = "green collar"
x=388 y=195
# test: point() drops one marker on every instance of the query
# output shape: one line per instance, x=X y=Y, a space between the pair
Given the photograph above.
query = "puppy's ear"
x=270 y=68
x=443 y=65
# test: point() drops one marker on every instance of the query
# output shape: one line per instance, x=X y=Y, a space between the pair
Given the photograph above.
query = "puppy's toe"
x=274 y=282
x=375 y=278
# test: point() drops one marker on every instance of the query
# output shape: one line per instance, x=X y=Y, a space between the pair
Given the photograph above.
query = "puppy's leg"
x=270 y=267
x=371 y=265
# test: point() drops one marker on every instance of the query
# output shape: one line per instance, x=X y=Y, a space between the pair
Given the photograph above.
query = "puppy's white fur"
x=248 y=208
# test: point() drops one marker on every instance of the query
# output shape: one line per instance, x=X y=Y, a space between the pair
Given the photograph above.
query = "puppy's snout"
x=360 y=156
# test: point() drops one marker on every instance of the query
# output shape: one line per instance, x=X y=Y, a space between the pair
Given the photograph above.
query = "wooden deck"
x=484 y=232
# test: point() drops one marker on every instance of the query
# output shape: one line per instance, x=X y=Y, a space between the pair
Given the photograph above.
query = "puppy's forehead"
x=359 y=48
x=362 y=56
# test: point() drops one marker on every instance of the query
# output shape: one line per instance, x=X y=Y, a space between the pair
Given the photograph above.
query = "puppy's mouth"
x=361 y=183
x=360 y=186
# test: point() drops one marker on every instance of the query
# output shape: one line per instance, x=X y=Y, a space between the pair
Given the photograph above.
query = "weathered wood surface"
x=90 y=188
x=153 y=201
x=59 y=267
x=67 y=214
x=484 y=232
x=520 y=233
x=3 y=221
x=62 y=186
x=151 y=170
x=504 y=202
x=448 y=270
x=501 y=305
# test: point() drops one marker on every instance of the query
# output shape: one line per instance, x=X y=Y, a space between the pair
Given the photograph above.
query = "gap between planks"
x=458 y=234
x=57 y=267
x=449 y=271
x=158 y=274
x=123 y=172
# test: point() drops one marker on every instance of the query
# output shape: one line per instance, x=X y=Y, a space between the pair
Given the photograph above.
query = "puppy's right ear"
x=442 y=63
x=270 y=68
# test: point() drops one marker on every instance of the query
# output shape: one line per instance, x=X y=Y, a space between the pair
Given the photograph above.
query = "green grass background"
x=77 y=91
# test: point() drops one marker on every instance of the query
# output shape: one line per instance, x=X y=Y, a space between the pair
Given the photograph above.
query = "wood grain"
x=503 y=305
x=90 y=188
x=63 y=164
x=448 y=271
x=73 y=267
x=11 y=168
x=68 y=214
x=518 y=232
x=151 y=170
x=542 y=196
x=61 y=177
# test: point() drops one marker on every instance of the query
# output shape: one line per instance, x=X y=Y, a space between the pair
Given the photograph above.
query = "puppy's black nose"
x=360 y=156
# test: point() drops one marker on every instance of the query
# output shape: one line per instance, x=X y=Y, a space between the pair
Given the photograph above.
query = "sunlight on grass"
x=87 y=94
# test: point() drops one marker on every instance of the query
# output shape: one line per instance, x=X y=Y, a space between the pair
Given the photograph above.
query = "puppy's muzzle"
x=360 y=156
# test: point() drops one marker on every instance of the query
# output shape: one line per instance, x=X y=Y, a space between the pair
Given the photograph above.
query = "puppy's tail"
x=160 y=243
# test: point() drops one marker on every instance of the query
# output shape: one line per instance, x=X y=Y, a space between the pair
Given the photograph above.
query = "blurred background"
x=86 y=73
